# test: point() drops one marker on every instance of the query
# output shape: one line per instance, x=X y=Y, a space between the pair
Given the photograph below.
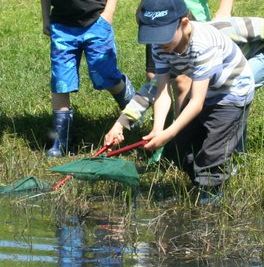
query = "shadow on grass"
x=85 y=132
x=3 y=124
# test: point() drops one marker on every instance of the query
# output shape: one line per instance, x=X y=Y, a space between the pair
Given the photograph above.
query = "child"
x=74 y=27
x=205 y=134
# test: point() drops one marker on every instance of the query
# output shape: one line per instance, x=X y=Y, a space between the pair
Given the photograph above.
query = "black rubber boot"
x=62 y=121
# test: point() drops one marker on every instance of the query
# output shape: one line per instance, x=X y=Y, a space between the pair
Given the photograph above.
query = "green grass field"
x=25 y=108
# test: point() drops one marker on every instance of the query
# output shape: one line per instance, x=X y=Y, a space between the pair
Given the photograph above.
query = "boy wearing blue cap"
x=212 y=120
x=76 y=27
x=205 y=134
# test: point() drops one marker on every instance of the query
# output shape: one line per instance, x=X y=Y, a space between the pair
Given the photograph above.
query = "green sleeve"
x=199 y=9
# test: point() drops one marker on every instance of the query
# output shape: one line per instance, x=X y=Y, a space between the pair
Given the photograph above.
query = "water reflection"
x=71 y=243
x=30 y=239
x=100 y=244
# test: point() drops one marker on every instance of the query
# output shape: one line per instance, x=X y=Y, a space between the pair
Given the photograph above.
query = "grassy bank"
x=25 y=120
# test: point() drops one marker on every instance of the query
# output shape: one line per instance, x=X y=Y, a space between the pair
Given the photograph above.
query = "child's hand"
x=224 y=10
x=115 y=135
x=156 y=140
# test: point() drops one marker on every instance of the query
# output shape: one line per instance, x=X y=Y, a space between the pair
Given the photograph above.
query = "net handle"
x=102 y=150
x=126 y=148
x=56 y=186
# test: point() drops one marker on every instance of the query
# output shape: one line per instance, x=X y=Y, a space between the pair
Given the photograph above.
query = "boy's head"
x=159 y=19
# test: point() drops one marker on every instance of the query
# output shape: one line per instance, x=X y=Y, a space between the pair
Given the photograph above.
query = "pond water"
x=31 y=236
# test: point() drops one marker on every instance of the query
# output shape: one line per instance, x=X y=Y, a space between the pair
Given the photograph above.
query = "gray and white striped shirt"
x=212 y=55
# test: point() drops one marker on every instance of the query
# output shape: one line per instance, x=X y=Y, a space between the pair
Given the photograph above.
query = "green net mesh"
x=24 y=184
x=101 y=168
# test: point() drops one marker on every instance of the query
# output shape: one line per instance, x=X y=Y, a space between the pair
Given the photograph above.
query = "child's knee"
x=183 y=83
x=105 y=78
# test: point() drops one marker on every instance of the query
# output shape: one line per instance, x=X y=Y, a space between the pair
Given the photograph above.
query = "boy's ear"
x=185 y=21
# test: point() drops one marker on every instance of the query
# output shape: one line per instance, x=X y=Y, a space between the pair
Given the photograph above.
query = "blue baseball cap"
x=159 y=19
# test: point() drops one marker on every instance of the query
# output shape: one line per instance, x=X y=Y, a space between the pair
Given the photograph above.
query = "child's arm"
x=161 y=105
x=135 y=109
x=192 y=109
x=162 y=102
x=224 y=10
x=45 y=8
x=109 y=10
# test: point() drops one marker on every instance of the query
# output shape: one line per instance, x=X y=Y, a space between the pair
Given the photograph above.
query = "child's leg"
x=65 y=61
x=100 y=52
x=181 y=149
x=257 y=66
x=205 y=146
x=123 y=92
x=62 y=120
x=150 y=65
x=224 y=126
x=203 y=149
x=60 y=101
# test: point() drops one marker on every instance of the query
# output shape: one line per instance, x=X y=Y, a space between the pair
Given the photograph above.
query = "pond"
x=32 y=236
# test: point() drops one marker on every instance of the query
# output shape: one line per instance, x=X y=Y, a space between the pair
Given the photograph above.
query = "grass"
x=235 y=228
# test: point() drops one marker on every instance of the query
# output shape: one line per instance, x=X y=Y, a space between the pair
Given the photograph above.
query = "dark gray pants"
x=203 y=149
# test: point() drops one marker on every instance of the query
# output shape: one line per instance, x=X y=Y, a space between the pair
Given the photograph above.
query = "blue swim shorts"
x=67 y=46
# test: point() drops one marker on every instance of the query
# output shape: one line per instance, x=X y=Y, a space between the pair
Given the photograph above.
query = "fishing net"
x=101 y=168
x=25 y=184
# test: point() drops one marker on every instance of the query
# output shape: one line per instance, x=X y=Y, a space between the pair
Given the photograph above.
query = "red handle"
x=61 y=182
x=126 y=148
x=102 y=150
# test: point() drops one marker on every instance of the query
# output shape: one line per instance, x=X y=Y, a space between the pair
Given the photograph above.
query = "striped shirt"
x=211 y=55
x=247 y=32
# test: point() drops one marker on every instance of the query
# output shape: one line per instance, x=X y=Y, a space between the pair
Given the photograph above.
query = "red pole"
x=61 y=182
x=126 y=148
x=102 y=150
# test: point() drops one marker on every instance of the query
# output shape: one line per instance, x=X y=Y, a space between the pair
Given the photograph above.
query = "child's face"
x=174 y=43
x=180 y=39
